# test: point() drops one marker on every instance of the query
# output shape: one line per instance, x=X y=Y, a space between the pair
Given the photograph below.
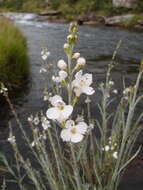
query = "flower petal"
x=76 y=138
x=77 y=91
x=53 y=113
x=66 y=112
x=63 y=75
x=65 y=135
x=81 y=127
x=55 y=99
x=69 y=123
x=88 y=90
x=88 y=79
x=78 y=75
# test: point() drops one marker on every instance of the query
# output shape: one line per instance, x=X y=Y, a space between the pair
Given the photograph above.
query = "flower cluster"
x=111 y=147
x=40 y=119
x=45 y=54
x=128 y=92
x=71 y=77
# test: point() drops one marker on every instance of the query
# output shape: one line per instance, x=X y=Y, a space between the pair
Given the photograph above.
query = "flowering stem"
x=70 y=75
x=76 y=173
x=125 y=133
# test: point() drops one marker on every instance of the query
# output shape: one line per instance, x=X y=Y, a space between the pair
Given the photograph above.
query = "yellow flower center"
x=61 y=107
x=82 y=83
x=73 y=131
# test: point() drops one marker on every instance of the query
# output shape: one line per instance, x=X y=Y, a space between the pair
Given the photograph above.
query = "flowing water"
x=96 y=44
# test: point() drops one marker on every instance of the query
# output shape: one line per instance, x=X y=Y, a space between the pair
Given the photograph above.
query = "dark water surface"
x=96 y=44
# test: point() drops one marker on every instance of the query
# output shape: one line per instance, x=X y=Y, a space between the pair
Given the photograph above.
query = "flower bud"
x=62 y=64
x=76 y=55
x=63 y=75
x=66 y=48
x=71 y=39
x=81 y=61
x=73 y=28
x=111 y=83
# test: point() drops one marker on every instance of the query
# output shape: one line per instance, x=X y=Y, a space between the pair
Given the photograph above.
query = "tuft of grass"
x=14 y=65
x=134 y=20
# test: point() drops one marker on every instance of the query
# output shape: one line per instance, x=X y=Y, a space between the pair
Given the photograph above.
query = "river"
x=96 y=44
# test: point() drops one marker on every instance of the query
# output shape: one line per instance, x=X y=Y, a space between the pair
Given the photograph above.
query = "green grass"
x=70 y=9
x=23 y=5
x=13 y=55
x=133 y=21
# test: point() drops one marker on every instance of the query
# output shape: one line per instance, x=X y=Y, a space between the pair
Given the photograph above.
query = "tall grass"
x=13 y=54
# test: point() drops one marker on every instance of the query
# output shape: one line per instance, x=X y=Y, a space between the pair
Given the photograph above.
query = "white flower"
x=33 y=144
x=45 y=123
x=44 y=54
x=60 y=111
x=11 y=139
x=62 y=64
x=43 y=70
x=46 y=97
x=74 y=133
x=82 y=83
x=43 y=137
x=115 y=155
x=76 y=55
x=79 y=118
x=126 y=91
x=91 y=126
x=81 y=61
x=106 y=148
x=87 y=100
x=30 y=118
x=62 y=76
x=115 y=91
x=36 y=120
x=56 y=79
x=111 y=83
x=55 y=99
x=3 y=89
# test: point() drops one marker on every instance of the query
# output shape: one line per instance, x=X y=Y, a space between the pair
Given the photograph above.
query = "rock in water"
x=117 y=20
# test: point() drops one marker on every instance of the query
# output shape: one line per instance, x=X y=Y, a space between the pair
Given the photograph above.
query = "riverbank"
x=82 y=11
x=14 y=67
x=126 y=20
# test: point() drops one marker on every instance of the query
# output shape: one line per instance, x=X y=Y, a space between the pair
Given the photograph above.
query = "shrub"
x=13 y=55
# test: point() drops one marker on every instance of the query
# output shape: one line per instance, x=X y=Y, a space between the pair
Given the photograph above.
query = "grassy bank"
x=67 y=7
x=13 y=55
x=75 y=9
x=23 y=5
